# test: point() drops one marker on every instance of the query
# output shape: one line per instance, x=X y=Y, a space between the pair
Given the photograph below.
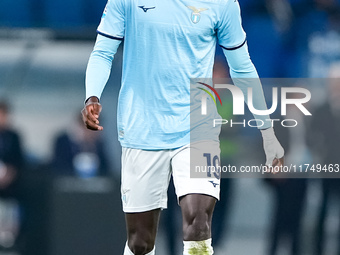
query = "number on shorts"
x=213 y=166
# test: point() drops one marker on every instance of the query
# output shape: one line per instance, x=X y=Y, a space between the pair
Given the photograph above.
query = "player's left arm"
x=244 y=75
x=232 y=39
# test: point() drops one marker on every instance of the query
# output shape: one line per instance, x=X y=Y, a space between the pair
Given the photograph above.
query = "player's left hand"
x=91 y=112
x=273 y=150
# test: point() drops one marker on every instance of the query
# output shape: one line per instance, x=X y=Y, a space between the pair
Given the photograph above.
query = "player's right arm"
x=110 y=34
x=97 y=74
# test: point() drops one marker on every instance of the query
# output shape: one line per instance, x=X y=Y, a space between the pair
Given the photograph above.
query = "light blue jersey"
x=166 y=43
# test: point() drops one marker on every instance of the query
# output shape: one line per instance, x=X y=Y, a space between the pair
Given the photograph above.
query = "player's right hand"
x=91 y=112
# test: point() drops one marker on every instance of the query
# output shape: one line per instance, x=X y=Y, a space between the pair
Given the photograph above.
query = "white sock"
x=198 y=247
x=151 y=252
x=127 y=251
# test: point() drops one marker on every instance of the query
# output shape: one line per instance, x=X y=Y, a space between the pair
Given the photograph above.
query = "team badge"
x=196 y=13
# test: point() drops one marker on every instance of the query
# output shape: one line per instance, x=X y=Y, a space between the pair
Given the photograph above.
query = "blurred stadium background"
x=44 y=48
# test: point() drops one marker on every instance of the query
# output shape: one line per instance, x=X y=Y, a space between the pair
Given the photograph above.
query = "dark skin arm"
x=276 y=165
x=91 y=112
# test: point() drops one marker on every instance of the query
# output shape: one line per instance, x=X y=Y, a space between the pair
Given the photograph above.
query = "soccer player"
x=166 y=43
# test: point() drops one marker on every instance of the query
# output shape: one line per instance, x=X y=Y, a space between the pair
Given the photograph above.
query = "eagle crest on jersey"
x=196 y=13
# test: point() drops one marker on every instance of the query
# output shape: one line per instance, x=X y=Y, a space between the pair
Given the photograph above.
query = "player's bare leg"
x=141 y=232
x=197 y=211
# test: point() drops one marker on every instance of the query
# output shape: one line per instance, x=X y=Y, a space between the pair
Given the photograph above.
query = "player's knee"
x=198 y=230
x=197 y=226
x=140 y=245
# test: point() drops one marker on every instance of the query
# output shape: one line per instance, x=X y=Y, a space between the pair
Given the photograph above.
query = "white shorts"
x=146 y=175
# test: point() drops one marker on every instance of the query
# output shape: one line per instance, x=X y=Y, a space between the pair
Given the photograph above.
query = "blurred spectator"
x=79 y=152
x=324 y=141
x=11 y=157
x=324 y=46
x=11 y=166
x=290 y=198
x=290 y=193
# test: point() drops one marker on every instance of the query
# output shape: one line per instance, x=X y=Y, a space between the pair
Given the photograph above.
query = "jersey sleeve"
x=112 y=24
x=244 y=75
x=230 y=33
x=99 y=65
